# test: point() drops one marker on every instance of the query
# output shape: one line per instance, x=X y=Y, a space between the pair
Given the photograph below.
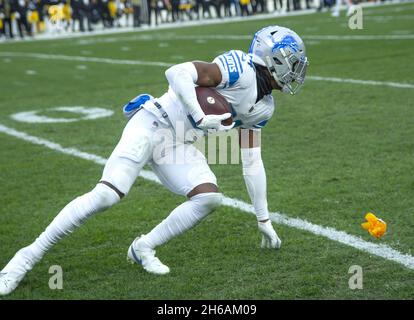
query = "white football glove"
x=213 y=121
x=269 y=238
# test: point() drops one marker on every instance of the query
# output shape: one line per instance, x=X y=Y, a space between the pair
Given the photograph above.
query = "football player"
x=276 y=61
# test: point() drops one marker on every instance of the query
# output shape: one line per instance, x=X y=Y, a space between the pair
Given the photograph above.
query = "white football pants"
x=180 y=167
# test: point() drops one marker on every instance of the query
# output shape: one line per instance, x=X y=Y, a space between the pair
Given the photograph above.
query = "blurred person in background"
x=296 y=5
x=175 y=10
x=186 y=7
x=259 y=3
x=277 y=5
x=2 y=16
x=165 y=6
x=154 y=6
x=104 y=12
x=168 y=9
x=236 y=5
x=33 y=17
x=244 y=6
x=227 y=8
x=128 y=11
x=206 y=8
x=77 y=14
x=55 y=18
x=217 y=6
x=94 y=12
x=198 y=4
x=20 y=10
x=88 y=6
x=286 y=6
x=67 y=14
x=337 y=7
x=40 y=8
x=80 y=10
x=325 y=4
x=136 y=7
x=114 y=8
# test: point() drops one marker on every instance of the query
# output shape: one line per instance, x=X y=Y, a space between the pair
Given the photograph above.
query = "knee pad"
x=103 y=197
x=208 y=200
x=121 y=173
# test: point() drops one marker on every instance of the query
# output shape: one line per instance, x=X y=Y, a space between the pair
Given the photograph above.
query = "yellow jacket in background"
x=112 y=9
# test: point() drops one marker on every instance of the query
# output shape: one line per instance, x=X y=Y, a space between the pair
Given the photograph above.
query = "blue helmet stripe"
x=253 y=42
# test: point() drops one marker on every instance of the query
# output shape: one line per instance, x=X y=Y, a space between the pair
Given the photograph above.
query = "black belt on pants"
x=159 y=107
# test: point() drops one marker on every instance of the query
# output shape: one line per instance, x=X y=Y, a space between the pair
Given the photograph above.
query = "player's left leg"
x=191 y=177
x=132 y=152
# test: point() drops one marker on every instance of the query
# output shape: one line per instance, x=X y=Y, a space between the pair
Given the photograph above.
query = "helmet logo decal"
x=287 y=41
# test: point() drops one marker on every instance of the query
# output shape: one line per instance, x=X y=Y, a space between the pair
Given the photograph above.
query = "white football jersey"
x=238 y=86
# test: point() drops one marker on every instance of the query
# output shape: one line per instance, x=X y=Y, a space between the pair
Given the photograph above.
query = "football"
x=213 y=102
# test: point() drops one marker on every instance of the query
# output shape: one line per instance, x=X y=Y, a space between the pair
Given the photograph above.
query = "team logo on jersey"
x=231 y=64
x=211 y=100
x=234 y=67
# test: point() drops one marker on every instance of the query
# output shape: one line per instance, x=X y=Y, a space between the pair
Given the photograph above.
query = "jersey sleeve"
x=260 y=124
x=261 y=114
x=231 y=67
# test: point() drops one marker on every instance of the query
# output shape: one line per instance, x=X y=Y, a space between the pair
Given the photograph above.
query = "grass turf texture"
x=332 y=153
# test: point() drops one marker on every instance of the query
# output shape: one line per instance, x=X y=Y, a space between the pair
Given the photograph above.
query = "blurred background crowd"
x=21 y=18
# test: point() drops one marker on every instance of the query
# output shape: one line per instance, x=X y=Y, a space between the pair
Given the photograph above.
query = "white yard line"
x=166 y=64
x=236 y=37
x=337 y=37
x=380 y=250
x=45 y=56
x=364 y=82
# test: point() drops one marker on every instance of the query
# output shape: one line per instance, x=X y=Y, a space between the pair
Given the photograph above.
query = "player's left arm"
x=255 y=178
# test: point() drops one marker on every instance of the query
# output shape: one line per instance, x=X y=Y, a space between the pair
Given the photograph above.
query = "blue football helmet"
x=283 y=52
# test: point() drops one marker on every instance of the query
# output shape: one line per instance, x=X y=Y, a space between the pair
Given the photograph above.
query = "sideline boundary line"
x=189 y=24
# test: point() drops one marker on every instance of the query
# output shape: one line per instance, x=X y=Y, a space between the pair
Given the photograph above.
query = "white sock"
x=182 y=218
x=72 y=216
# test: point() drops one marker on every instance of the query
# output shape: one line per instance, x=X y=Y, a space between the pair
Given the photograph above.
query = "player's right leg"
x=122 y=168
x=183 y=170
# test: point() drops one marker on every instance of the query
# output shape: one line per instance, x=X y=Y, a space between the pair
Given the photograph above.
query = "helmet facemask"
x=288 y=70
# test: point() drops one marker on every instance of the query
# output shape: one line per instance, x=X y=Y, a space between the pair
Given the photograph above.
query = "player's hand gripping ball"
x=213 y=103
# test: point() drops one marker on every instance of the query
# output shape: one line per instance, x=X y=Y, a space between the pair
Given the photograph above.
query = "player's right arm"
x=183 y=78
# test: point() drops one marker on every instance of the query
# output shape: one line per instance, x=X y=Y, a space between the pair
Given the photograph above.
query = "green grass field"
x=332 y=153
